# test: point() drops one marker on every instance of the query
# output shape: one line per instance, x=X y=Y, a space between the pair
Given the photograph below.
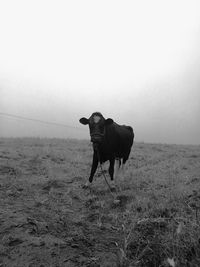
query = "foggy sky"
x=137 y=62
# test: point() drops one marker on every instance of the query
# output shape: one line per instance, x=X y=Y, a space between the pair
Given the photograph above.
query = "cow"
x=111 y=142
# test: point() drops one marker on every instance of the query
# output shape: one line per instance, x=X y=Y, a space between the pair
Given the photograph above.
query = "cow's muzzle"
x=96 y=147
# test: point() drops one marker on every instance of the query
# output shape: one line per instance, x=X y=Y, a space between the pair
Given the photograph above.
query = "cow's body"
x=110 y=141
x=116 y=143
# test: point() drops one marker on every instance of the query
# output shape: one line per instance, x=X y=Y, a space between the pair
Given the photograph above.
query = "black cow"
x=110 y=141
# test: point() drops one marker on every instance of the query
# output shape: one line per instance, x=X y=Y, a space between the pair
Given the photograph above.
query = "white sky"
x=135 y=61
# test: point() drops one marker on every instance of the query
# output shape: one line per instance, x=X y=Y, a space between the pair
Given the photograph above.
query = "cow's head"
x=97 y=124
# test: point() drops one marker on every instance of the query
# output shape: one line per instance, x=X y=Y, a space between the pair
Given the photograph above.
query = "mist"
x=135 y=62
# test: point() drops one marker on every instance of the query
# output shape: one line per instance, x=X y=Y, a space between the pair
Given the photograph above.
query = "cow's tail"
x=129 y=128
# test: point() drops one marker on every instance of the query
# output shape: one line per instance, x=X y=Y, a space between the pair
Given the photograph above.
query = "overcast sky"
x=137 y=62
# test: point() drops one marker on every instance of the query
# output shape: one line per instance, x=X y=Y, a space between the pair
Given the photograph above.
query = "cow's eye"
x=91 y=126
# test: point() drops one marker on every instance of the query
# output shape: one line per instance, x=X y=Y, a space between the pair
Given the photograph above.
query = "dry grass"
x=48 y=219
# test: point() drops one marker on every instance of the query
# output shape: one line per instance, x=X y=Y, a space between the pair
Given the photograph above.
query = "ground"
x=48 y=218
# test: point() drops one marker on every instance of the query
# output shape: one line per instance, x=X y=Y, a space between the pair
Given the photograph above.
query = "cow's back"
x=125 y=139
x=120 y=139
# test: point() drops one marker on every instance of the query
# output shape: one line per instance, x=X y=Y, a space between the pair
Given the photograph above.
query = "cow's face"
x=97 y=124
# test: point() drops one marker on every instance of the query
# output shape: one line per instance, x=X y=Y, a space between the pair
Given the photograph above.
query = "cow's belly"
x=106 y=156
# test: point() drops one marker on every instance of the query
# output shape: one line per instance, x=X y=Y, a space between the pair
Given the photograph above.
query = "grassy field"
x=48 y=219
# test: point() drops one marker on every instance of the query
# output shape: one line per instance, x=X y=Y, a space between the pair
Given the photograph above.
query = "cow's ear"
x=109 y=121
x=84 y=121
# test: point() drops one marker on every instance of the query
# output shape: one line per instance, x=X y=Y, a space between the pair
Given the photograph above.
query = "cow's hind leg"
x=117 y=167
x=111 y=168
x=111 y=172
x=125 y=158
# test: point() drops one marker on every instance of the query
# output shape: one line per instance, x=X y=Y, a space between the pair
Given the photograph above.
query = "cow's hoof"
x=86 y=185
x=112 y=186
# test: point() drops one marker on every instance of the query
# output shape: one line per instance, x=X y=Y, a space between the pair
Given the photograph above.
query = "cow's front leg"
x=94 y=166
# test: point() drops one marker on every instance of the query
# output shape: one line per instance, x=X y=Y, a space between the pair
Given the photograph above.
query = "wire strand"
x=40 y=121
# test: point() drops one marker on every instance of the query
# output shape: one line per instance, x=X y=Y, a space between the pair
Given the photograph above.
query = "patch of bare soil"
x=47 y=220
